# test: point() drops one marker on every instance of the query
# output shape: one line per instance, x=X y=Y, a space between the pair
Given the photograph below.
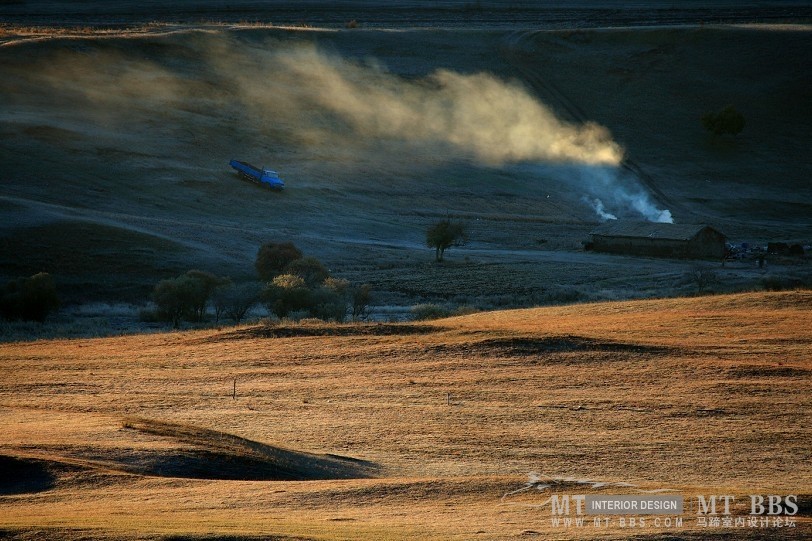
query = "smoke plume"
x=476 y=115
x=613 y=193
x=449 y=114
x=599 y=208
x=356 y=113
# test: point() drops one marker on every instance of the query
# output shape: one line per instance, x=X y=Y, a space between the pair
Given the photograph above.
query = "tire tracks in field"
x=183 y=233
x=515 y=53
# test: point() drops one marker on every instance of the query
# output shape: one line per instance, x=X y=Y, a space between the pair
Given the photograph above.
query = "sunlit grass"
x=707 y=393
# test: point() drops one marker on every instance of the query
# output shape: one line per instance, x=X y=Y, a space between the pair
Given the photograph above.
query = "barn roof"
x=649 y=230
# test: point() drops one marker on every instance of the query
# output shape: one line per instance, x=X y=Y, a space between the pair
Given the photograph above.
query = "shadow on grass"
x=529 y=347
x=209 y=454
x=327 y=329
x=24 y=476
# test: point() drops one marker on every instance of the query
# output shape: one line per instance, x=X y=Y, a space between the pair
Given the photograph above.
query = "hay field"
x=409 y=431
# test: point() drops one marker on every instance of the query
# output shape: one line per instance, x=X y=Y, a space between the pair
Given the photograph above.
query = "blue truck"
x=264 y=177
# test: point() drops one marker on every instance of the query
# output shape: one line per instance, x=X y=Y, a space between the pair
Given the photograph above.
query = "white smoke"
x=609 y=192
x=599 y=208
x=641 y=202
x=626 y=193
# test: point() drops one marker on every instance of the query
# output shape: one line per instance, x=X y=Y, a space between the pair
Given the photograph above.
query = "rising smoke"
x=609 y=188
x=458 y=115
x=334 y=106
x=476 y=115
x=599 y=208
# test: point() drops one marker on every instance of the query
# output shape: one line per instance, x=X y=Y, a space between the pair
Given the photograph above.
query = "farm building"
x=659 y=240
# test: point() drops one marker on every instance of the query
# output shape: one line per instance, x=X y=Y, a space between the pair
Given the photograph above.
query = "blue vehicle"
x=264 y=177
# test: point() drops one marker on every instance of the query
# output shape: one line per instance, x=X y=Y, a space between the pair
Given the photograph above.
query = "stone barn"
x=659 y=240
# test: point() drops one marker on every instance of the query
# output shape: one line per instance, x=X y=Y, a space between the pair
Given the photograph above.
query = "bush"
x=148 y=315
x=273 y=257
x=703 y=278
x=309 y=269
x=208 y=283
x=781 y=283
x=303 y=287
x=285 y=294
x=361 y=297
x=465 y=311
x=235 y=300
x=29 y=299
x=328 y=305
x=177 y=298
x=329 y=302
x=186 y=296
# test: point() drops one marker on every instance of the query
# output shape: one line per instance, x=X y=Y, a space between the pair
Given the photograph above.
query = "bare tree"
x=703 y=278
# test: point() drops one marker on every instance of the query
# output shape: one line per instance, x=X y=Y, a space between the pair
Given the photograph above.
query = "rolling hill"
x=115 y=147
x=410 y=431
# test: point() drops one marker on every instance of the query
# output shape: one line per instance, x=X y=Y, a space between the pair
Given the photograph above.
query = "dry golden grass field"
x=410 y=431
x=522 y=120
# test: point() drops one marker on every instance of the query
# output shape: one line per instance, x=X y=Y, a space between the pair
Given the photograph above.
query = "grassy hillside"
x=115 y=151
x=413 y=431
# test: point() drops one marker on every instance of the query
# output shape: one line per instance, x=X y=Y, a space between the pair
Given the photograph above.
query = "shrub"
x=186 y=296
x=302 y=287
x=285 y=294
x=148 y=315
x=309 y=269
x=298 y=316
x=465 y=311
x=177 y=298
x=781 y=283
x=338 y=285
x=703 y=278
x=328 y=306
x=329 y=302
x=560 y=295
x=208 y=283
x=29 y=299
x=361 y=297
x=235 y=300
x=273 y=257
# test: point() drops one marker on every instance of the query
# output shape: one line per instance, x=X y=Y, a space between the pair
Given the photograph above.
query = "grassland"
x=408 y=431
x=115 y=149
x=114 y=145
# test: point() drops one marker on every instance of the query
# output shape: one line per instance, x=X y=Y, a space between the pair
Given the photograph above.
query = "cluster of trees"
x=301 y=286
x=29 y=299
x=187 y=296
x=291 y=285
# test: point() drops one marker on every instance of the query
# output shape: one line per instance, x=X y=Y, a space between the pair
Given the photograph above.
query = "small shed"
x=698 y=241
